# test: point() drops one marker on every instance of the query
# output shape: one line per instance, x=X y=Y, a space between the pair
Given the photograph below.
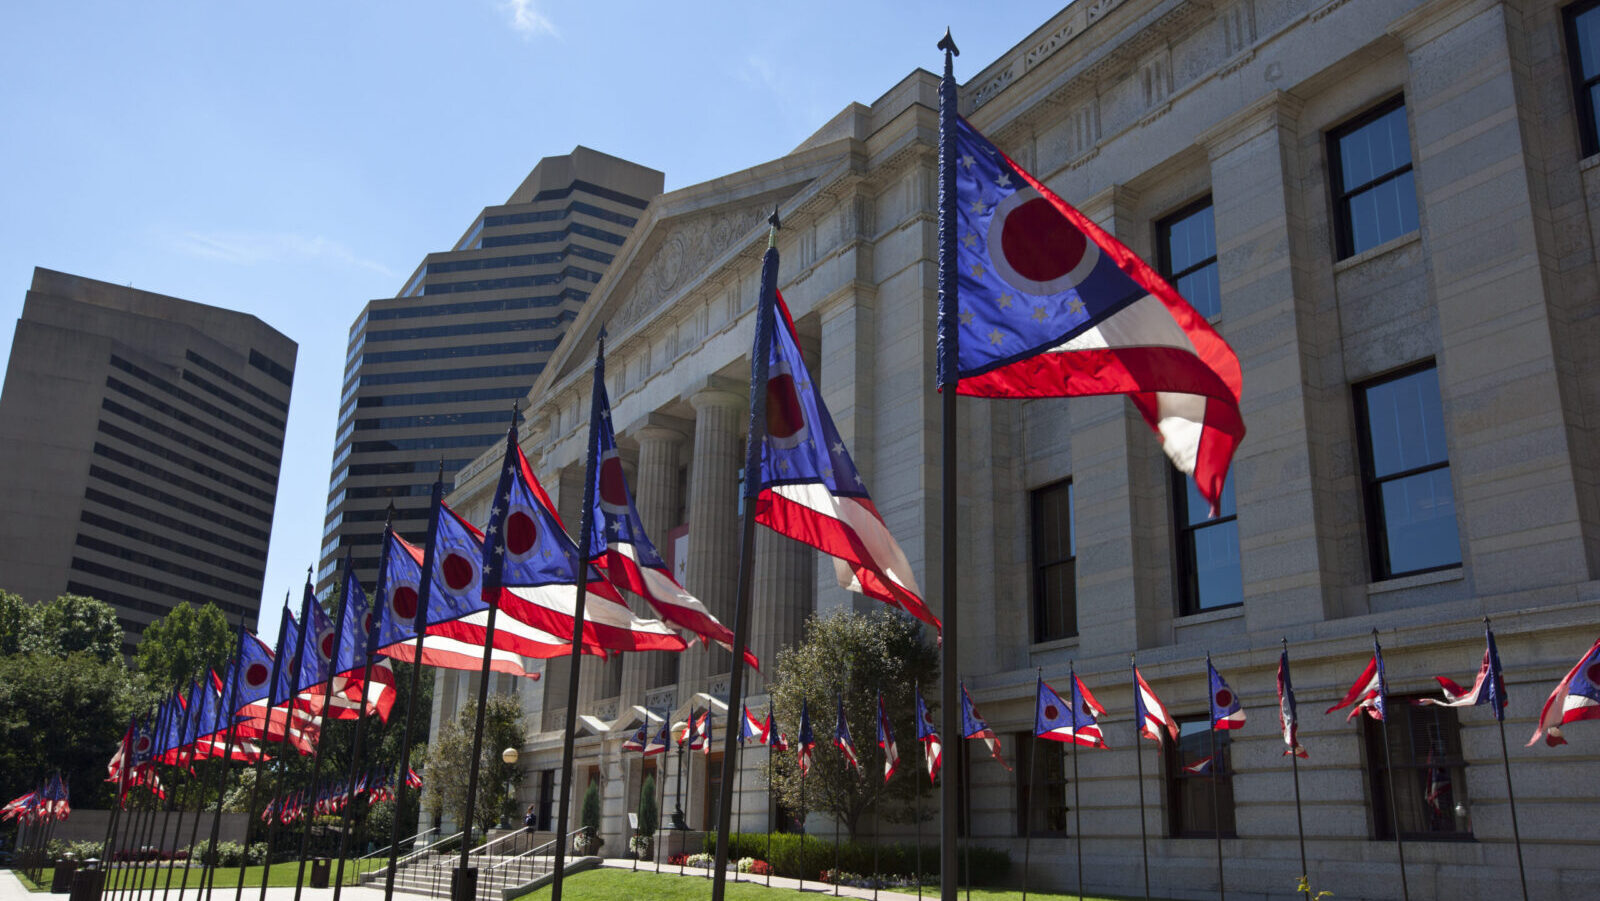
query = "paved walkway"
x=11 y=888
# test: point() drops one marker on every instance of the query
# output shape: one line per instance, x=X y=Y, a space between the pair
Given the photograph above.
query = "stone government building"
x=1385 y=207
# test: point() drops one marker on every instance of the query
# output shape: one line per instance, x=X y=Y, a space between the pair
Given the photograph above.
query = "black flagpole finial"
x=948 y=43
x=388 y=516
x=772 y=220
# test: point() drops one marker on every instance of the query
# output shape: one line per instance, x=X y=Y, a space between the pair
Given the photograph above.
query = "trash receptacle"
x=88 y=881
x=319 y=873
x=61 y=879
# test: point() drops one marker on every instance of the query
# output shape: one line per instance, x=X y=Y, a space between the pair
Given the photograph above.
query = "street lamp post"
x=509 y=755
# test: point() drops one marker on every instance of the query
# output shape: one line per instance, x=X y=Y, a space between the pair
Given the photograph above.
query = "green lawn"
x=227 y=877
x=608 y=884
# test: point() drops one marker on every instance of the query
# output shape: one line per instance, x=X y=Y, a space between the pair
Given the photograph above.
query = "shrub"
x=804 y=856
x=649 y=816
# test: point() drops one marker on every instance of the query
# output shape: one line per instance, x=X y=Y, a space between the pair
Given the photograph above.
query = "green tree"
x=450 y=756
x=182 y=643
x=855 y=655
x=589 y=816
x=64 y=712
x=73 y=623
x=16 y=620
x=649 y=816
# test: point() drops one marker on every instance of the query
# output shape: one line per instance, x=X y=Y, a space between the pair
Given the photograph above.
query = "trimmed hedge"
x=806 y=856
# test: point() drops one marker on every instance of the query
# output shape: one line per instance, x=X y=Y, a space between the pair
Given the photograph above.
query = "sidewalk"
x=12 y=889
x=845 y=891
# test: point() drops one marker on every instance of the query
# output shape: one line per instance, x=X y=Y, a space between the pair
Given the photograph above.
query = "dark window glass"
x=1055 y=563
x=710 y=799
x=435 y=375
x=155 y=381
x=424 y=311
x=395 y=444
x=474 y=328
x=1375 y=197
x=1583 y=59
x=1041 y=787
x=1189 y=257
x=590 y=188
x=437 y=397
x=235 y=381
x=1193 y=777
x=143 y=488
x=466 y=350
x=547 y=799
x=1411 y=512
x=171 y=456
x=1430 y=785
x=271 y=367
x=1208 y=549
x=156 y=472
x=519 y=281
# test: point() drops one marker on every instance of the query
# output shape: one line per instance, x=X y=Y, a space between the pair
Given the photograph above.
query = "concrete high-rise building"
x=140 y=442
x=430 y=375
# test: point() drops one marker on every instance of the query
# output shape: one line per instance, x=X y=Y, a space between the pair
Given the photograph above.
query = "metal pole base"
x=464 y=884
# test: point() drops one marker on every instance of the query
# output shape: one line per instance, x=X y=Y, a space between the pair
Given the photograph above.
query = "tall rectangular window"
x=1430 y=786
x=1405 y=468
x=1041 y=787
x=1055 y=563
x=1194 y=775
x=1188 y=243
x=1209 y=576
x=1583 y=60
x=1375 y=198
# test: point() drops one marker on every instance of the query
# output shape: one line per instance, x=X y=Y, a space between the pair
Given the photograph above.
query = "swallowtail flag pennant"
x=891 y=751
x=661 y=741
x=1226 y=712
x=973 y=726
x=1288 y=717
x=619 y=546
x=776 y=740
x=1151 y=714
x=932 y=748
x=843 y=741
x=639 y=739
x=805 y=742
x=809 y=488
x=1369 y=694
x=1489 y=687
x=751 y=728
x=1577 y=697
x=1051 y=305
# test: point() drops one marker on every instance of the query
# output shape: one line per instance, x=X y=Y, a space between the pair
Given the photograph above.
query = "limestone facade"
x=1133 y=110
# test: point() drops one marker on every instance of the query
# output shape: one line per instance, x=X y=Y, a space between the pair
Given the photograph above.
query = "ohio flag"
x=843 y=741
x=809 y=489
x=806 y=741
x=891 y=751
x=1050 y=305
x=1369 y=693
x=932 y=748
x=1225 y=710
x=1577 y=697
x=1150 y=712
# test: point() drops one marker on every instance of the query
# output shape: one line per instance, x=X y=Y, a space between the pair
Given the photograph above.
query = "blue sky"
x=293 y=160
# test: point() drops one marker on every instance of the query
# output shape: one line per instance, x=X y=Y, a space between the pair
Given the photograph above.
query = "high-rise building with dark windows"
x=140 y=443
x=430 y=375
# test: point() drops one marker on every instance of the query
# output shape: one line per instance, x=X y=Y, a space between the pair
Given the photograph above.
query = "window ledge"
x=1416 y=581
x=1212 y=616
x=1056 y=644
x=1372 y=253
x=1589 y=162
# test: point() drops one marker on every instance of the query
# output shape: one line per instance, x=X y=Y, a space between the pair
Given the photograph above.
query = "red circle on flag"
x=143 y=744
x=1592 y=673
x=1035 y=248
x=1051 y=712
x=1224 y=697
x=325 y=644
x=785 y=416
x=613 y=484
x=521 y=532
x=366 y=624
x=458 y=571
x=256 y=675
x=403 y=601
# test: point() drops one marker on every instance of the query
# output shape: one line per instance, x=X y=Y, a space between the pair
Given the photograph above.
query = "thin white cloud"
x=254 y=248
x=528 y=20
x=761 y=72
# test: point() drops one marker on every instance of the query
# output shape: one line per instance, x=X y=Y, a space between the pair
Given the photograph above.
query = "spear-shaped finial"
x=772 y=233
x=948 y=43
x=388 y=516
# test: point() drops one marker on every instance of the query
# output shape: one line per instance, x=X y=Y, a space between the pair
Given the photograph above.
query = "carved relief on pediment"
x=683 y=255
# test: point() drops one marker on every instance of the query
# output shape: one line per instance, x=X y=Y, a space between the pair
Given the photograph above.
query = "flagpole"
x=738 y=812
x=1299 y=818
x=133 y=885
x=266 y=736
x=1077 y=803
x=122 y=792
x=947 y=349
x=327 y=709
x=199 y=808
x=1138 y=756
x=419 y=624
x=580 y=594
x=918 y=808
x=464 y=881
x=802 y=854
x=128 y=841
x=299 y=669
x=355 y=754
x=966 y=799
x=882 y=758
x=772 y=810
x=1388 y=768
x=1027 y=808
x=1216 y=781
x=230 y=709
x=194 y=783
x=839 y=693
x=661 y=809
x=639 y=805
x=759 y=361
x=1497 y=707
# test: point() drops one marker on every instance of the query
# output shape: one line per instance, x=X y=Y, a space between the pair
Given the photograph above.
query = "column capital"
x=660 y=427
x=716 y=391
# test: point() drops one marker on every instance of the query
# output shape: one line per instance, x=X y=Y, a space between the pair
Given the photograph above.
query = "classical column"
x=780 y=601
x=720 y=411
x=656 y=493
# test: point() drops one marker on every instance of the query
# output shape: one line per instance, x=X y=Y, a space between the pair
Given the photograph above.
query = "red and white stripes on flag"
x=1153 y=716
x=1366 y=694
x=1576 y=697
